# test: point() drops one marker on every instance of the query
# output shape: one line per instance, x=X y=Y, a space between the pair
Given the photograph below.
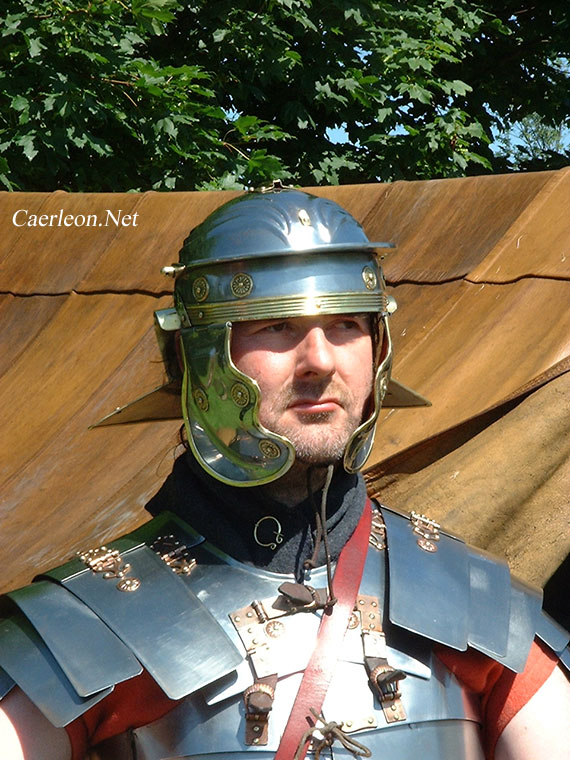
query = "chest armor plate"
x=442 y=718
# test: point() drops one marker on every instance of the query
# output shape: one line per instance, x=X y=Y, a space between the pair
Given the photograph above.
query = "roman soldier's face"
x=315 y=375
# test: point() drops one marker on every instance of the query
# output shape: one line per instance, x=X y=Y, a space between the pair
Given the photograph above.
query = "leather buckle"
x=258 y=699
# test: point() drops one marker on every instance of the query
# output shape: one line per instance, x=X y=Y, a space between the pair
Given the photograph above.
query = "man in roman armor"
x=270 y=609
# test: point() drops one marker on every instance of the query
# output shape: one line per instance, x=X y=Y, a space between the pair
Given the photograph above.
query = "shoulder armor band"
x=552 y=633
x=6 y=683
x=556 y=637
x=32 y=666
x=161 y=626
x=458 y=595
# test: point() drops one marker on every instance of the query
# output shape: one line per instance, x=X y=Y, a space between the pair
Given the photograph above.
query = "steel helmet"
x=274 y=253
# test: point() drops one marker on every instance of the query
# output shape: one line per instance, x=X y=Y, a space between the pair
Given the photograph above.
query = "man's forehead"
x=304 y=318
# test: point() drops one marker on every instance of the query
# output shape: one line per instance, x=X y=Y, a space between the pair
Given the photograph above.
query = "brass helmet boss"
x=275 y=253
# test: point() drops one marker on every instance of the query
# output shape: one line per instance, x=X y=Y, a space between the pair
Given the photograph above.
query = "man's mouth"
x=315 y=406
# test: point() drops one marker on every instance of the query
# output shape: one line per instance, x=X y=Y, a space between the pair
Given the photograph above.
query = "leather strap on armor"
x=319 y=672
x=258 y=699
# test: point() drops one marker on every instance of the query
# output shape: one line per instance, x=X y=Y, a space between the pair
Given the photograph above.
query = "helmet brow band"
x=294 y=306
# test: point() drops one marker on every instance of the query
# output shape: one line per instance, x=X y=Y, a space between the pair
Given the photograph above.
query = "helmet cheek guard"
x=268 y=255
x=220 y=406
x=361 y=441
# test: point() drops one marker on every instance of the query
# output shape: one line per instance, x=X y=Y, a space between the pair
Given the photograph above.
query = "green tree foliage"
x=85 y=106
x=532 y=144
x=113 y=95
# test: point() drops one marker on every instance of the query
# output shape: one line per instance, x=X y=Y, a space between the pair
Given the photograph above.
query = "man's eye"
x=348 y=324
x=276 y=327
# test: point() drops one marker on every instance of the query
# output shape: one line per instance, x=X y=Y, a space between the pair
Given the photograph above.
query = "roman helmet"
x=269 y=254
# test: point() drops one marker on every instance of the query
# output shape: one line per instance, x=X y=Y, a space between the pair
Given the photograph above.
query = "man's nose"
x=315 y=354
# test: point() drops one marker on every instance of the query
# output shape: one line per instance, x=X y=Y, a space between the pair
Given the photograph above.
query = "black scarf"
x=227 y=516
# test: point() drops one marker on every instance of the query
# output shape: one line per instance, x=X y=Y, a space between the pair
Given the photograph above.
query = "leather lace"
x=330 y=733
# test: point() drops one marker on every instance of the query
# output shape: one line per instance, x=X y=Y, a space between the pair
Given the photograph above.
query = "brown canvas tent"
x=480 y=273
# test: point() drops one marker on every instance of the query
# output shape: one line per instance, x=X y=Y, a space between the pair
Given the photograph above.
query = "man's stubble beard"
x=318 y=438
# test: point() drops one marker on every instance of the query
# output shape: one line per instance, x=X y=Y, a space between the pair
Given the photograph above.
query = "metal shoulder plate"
x=78 y=630
x=460 y=596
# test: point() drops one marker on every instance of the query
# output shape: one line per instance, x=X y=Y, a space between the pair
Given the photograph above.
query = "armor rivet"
x=249 y=614
x=371 y=616
x=394 y=708
x=304 y=218
x=200 y=315
x=391 y=305
x=373 y=604
x=239 y=394
x=257 y=729
x=269 y=449
x=369 y=277
x=361 y=601
x=372 y=626
x=200 y=289
x=348 y=723
x=353 y=621
x=201 y=400
x=241 y=285
x=256 y=740
x=274 y=628
x=128 y=584
x=370 y=720
x=237 y=618
x=255 y=641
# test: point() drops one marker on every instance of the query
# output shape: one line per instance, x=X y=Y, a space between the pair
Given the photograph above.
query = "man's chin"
x=321 y=448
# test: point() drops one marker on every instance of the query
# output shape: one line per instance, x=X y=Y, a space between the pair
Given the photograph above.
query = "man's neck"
x=292 y=488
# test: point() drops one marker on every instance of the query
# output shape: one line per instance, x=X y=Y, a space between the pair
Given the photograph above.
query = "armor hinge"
x=427 y=530
x=111 y=565
x=378 y=531
x=384 y=679
x=174 y=553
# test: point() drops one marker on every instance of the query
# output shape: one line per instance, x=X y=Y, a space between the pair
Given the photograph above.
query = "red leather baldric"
x=319 y=671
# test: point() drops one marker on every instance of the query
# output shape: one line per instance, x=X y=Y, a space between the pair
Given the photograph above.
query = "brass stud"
x=269 y=449
x=369 y=277
x=200 y=289
x=128 y=584
x=239 y=394
x=201 y=400
x=391 y=305
x=241 y=285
